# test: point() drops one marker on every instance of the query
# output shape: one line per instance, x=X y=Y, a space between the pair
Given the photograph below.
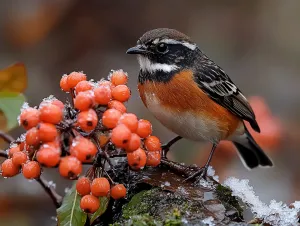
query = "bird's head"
x=164 y=50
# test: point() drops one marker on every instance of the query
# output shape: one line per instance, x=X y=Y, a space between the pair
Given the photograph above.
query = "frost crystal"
x=276 y=213
x=24 y=107
x=47 y=100
x=209 y=221
x=211 y=173
x=51 y=184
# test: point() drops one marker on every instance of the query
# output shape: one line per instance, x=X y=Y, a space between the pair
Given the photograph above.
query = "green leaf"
x=10 y=104
x=70 y=214
x=103 y=206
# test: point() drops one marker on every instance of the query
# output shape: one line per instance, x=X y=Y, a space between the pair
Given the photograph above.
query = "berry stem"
x=56 y=198
x=6 y=137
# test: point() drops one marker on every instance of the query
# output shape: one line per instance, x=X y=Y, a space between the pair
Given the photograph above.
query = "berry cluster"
x=92 y=129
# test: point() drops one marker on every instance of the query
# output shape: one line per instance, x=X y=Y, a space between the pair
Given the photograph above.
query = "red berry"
x=19 y=158
x=130 y=120
x=13 y=150
x=120 y=136
x=133 y=143
x=115 y=104
x=89 y=203
x=83 y=86
x=51 y=113
x=64 y=83
x=153 y=158
x=118 y=77
x=111 y=118
x=137 y=159
x=29 y=118
x=121 y=93
x=9 y=169
x=152 y=143
x=48 y=156
x=118 y=191
x=83 y=149
x=74 y=78
x=102 y=94
x=31 y=170
x=100 y=187
x=84 y=100
x=70 y=167
x=47 y=132
x=87 y=120
x=32 y=137
x=83 y=186
x=58 y=103
x=144 y=128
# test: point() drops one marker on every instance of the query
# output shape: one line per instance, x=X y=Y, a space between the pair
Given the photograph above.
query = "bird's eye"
x=162 y=48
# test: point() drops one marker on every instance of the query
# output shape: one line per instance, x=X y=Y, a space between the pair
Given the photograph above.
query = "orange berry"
x=83 y=186
x=9 y=169
x=153 y=158
x=120 y=136
x=106 y=83
x=87 y=120
x=152 y=143
x=115 y=104
x=31 y=170
x=51 y=113
x=137 y=159
x=32 y=137
x=118 y=191
x=48 y=156
x=110 y=118
x=84 y=100
x=13 y=150
x=102 y=94
x=118 y=77
x=100 y=187
x=29 y=118
x=47 y=132
x=130 y=120
x=120 y=93
x=144 y=128
x=83 y=86
x=83 y=149
x=58 y=103
x=89 y=203
x=70 y=167
x=74 y=78
x=64 y=83
x=19 y=158
x=22 y=145
x=133 y=143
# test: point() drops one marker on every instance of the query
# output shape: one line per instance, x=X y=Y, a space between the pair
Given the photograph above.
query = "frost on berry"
x=23 y=108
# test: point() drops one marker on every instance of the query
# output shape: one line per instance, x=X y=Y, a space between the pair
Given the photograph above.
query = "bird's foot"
x=199 y=174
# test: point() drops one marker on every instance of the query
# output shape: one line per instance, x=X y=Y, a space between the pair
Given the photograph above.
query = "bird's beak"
x=139 y=49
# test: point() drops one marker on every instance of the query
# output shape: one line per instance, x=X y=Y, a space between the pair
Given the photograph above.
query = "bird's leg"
x=166 y=147
x=202 y=172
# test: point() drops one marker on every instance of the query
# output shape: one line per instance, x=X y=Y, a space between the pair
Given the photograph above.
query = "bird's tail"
x=250 y=153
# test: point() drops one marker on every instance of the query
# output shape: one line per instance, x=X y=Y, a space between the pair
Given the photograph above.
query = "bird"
x=193 y=97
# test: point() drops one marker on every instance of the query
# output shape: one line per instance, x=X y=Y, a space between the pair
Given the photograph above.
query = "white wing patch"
x=222 y=88
x=148 y=66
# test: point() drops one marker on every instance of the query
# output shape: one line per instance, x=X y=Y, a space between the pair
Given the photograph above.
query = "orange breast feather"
x=182 y=94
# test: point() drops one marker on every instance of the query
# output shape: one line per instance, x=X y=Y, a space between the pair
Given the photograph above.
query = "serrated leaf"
x=13 y=78
x=70 y=214
x=10 y=104
x=101 y=210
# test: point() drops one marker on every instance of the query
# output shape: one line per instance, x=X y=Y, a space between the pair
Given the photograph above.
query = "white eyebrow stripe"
x=186 y=44
x=147 y=66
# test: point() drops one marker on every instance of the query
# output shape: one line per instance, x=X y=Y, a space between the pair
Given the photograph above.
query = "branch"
x=56 y=198
x=3 y=154
x=7 y=138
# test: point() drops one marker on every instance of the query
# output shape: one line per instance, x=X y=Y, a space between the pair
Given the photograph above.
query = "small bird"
x=193 y=97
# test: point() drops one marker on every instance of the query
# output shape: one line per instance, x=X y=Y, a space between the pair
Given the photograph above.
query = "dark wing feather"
x=217 y=85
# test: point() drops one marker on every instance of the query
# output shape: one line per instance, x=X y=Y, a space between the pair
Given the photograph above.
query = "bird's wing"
x=219 y=87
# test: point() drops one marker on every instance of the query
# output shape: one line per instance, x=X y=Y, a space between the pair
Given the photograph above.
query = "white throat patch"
x=148 y=66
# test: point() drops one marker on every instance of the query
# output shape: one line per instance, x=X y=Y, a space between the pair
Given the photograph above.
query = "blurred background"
x=256 y=43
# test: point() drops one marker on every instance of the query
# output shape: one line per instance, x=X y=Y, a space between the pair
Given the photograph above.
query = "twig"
x=56 y=198
x=7 y=138
x=3 y=154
